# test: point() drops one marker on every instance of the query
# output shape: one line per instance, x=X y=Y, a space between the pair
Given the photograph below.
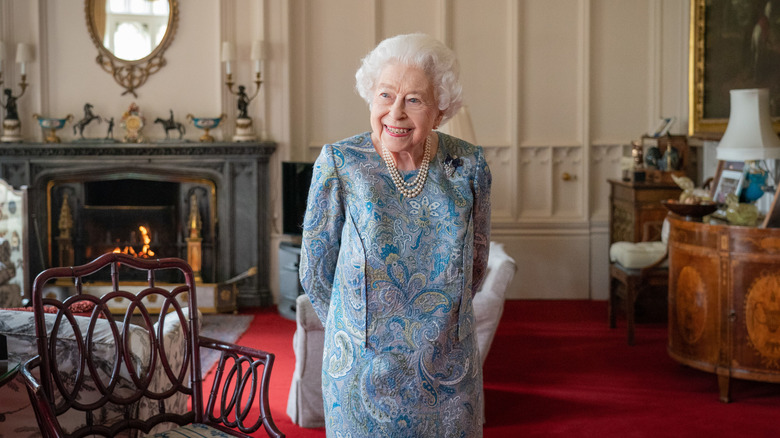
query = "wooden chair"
x=126 y=395
x=628 y=281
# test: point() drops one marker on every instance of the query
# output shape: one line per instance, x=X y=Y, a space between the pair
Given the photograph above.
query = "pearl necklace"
x=413 y=188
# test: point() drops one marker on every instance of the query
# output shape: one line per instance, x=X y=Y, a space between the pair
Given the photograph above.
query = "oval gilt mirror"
x=131 y=37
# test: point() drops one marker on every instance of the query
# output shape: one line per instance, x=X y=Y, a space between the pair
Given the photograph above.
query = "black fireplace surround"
x=112 y=188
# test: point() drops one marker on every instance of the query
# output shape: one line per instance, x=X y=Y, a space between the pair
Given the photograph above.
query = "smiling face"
x=404 y=109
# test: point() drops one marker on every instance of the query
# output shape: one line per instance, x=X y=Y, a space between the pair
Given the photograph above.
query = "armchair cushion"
x=637 y=255
x=489 y=300
x=304 y=404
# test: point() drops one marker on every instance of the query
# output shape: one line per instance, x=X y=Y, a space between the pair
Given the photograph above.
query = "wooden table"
x=724 y=300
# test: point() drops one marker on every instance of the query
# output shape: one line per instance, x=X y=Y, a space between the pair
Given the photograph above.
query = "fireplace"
x=150 y=215
x=86 y=199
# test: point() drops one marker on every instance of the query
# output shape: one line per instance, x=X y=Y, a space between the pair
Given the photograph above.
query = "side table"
x=724 y=313
x=632 y=205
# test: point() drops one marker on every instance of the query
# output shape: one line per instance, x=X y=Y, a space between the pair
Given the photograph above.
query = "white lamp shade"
x=24 y=53
x=749 y=134
x=460 y=126
x=228 y=51
x=258 y=50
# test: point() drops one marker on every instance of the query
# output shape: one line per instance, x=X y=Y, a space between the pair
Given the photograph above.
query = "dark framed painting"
x=733 y=45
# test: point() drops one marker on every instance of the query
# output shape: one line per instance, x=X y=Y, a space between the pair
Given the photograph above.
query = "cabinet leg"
x=723 y=386
x=611 y=313
x=631 y=294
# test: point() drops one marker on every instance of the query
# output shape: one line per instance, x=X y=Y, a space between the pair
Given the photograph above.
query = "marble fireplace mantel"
x=237 y=171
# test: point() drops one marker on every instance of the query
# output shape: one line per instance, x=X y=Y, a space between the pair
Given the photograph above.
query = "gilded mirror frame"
x=131 y=74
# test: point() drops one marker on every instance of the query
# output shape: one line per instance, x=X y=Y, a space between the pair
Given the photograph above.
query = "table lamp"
x=749 y=134
x=750 y=137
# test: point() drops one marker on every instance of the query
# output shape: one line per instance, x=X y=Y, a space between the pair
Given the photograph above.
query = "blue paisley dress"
x=392 y=279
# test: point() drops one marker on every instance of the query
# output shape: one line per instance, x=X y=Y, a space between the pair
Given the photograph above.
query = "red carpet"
x=556 y=369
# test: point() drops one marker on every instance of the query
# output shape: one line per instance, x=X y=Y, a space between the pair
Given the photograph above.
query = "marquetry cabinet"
x=724 y=311
x=633 y=205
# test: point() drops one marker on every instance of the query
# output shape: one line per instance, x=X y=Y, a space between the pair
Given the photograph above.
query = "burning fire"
x=145 y=251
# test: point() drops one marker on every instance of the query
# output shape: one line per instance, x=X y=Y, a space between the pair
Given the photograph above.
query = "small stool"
x=636 y=266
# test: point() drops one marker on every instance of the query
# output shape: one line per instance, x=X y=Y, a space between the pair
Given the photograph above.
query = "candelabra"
x=244 y=128
x=194 y=240
x=12 y=127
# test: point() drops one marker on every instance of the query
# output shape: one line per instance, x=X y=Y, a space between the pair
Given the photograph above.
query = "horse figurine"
x=89 y=116
x=171 y=125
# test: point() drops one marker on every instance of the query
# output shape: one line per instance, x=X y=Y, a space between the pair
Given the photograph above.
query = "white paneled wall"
x=556 y=88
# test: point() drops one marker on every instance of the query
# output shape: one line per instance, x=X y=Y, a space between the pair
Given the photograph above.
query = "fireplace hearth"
x=87 y=199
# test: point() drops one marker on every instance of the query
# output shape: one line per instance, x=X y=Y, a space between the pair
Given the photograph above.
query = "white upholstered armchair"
x=304 y=405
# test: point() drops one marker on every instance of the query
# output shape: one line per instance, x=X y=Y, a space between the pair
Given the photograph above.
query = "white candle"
x=258 y=53
x=2 y=54
x=228 y=54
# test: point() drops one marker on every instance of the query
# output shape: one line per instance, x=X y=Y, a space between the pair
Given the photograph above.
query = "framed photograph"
x=731 y=47
x=772 y=219
x=728 y=179
x=664 y=126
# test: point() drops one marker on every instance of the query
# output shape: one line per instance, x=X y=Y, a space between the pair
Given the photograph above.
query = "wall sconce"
x=244 y=130
x=12 y=127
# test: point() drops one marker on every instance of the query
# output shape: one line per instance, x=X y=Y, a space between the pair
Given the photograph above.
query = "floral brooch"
x=451 y=163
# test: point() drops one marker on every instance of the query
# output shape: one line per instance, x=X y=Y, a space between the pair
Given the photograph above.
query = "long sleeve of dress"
x=481 y=217
x=322 y=227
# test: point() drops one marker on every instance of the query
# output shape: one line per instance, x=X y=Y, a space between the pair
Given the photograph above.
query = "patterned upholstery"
x=19 y=329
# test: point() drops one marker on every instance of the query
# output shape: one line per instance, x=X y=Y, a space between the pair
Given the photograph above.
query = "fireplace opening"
x=147 y=216
x=135 y=217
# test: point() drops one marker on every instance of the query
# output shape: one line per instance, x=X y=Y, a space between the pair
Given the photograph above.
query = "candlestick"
x=244 y=129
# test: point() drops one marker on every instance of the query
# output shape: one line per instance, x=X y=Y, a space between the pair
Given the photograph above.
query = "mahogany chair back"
x=120 y=375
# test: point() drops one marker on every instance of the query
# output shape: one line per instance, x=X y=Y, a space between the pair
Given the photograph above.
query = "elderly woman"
x=395 y=243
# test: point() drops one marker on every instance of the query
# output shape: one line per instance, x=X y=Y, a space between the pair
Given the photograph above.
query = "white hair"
x=421 y=51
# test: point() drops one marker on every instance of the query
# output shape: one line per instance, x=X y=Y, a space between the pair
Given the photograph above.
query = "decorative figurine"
x=12 y=127
x=244 y=129
x=206 y=124
x=670 y=160
x=110 y=131
x=653 y=157
x=89 y=116
x=637 y=153
x=171 y=125
x=11 y=112
x=638 y=158
x=133 y=122
x=50 y=125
